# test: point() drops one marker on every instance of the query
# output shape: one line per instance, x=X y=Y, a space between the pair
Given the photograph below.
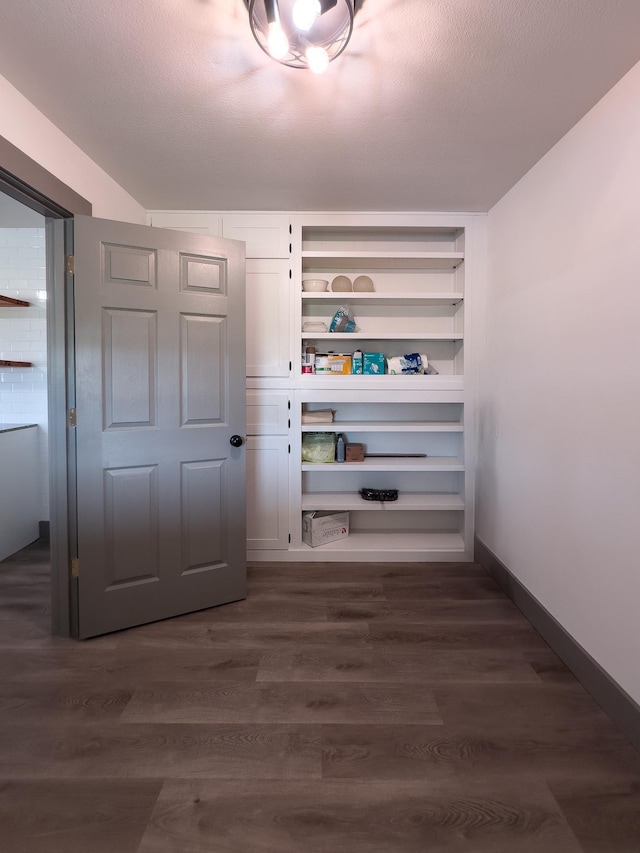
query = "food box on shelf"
x=373 y=363
x=321 y=527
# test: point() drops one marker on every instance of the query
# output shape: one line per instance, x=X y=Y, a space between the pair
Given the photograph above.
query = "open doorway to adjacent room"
x=24 y=497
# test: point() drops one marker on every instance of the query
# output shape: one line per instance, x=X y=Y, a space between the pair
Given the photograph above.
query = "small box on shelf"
x=373 y=363
x=355 y=452
x=320 y=528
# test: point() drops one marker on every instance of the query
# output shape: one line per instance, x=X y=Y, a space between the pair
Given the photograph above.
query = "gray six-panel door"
x=160 y=402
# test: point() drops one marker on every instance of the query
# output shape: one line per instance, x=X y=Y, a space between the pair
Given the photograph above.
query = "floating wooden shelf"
x=4 y=363
x=9 y=302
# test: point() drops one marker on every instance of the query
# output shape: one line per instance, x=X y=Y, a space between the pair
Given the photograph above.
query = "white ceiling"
x=435 y=105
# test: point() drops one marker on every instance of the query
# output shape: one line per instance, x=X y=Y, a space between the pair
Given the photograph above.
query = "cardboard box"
x=340 y=365
x=354 y=452
x=373 y=362
x=321 y=527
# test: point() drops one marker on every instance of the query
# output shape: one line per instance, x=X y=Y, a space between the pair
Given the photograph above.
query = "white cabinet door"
x=266 y=235
x=268 y=317
x=267 y=492
x=199 y=222
x=267 y=412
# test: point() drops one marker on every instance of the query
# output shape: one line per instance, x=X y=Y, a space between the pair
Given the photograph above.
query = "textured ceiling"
x=435 y=105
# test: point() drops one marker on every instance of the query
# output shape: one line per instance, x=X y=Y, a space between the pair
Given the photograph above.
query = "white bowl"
x=315 y=285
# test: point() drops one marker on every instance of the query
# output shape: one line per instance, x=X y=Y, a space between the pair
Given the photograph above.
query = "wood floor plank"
x=285 y=703
x=258 y=609
x=63 y=816
x=449 y=753
x=417 y=666
x=158 y=751
x=458 y=589
x=524 y=710
x=302 y=590
x=438 y=610
x=350 y=572
x=603 y=814
x=460 y=635
x=243 y=635
x=548 y=666
x=140 y=663
x=34 y=632
x=59 y=701
x=260 y=817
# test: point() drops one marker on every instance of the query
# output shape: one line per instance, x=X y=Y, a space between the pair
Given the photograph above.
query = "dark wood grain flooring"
x=343 y=708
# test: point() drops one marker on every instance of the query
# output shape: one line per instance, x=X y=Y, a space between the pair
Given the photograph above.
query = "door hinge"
x=289 y=539
x=71 y=265
x=289 y=448
x=75 y=567
x=72 y=417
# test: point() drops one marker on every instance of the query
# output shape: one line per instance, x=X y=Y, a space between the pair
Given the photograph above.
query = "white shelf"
x=386 y=543
x=388 y=296
x=383 y=336
x=385 y=426
x=429 y=463
x=381 y=260
x=347 y=501
x=327 y=383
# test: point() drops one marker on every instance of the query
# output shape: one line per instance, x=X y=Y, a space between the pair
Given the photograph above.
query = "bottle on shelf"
x=340 y=448
x=309 y=360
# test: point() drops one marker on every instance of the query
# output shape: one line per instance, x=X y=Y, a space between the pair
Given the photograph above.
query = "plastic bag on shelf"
x=318 y=447
x=411 y=362
x=343 y=320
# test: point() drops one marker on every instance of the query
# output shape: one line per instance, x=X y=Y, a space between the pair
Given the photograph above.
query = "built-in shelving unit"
x=417 y=305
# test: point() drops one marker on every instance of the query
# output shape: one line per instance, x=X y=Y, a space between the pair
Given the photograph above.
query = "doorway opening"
x=24 y=500
x=30 y=190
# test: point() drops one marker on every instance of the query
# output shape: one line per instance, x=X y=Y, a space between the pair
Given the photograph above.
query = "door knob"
x=235 y=440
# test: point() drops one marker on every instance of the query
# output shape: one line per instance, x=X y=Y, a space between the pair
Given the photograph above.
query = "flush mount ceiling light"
x=302 y=33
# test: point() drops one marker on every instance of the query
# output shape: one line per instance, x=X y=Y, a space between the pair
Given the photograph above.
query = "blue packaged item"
x=342 y=321
x=409 y=363
x=373 y=363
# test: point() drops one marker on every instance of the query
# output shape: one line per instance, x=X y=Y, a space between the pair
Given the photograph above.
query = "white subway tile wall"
x=23 y=337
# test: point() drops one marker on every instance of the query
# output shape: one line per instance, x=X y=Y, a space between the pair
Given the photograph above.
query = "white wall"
x=30 y=131
x=559 y=477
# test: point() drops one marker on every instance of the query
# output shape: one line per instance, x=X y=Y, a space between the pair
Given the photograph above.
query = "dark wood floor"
x=339 y=708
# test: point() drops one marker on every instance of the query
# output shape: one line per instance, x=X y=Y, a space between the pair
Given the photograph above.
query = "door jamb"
x=28 y=182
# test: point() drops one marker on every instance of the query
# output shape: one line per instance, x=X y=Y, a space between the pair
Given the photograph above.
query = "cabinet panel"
x=267 y=492
x=267 y=413
x=268 y=317
x=199 y=222
x=266 y=236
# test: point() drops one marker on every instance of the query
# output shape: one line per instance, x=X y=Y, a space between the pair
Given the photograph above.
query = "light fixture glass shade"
x=330 y=30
